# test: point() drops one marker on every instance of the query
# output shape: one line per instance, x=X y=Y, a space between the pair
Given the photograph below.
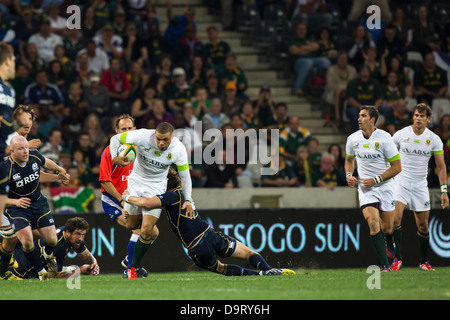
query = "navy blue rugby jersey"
x=24 y=179
x=189 y=231
x=7 y=105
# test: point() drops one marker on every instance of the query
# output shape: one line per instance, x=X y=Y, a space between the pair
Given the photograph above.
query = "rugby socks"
x=130 y=248
x=140 y=249
x=424 y=240
x=234 y=270
x=380 y=247
x=5 y=258
x=398 y=242
x=258 y=262
x=48 y=249
x=34 y=258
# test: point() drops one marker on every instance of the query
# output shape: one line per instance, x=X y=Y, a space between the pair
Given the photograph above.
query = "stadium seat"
x=247 y=17
x=275 y=14
x=265 y=33
x=280 y=47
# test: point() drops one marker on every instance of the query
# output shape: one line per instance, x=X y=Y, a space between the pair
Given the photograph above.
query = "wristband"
x=443 y=188
x=126 y=198
x=348 y=175
x=378 y=179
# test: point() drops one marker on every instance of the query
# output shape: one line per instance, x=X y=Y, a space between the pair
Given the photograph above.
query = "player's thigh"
x=372 y=216
x=242 y=251
x=25 y=237
x=48 y=234
x=398 y=213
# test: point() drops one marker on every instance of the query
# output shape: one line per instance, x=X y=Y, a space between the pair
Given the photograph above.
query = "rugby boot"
x=43 y=275
x=271 y=272
x=386 y=269
x=50 y=260
x=132 y=273
x=396 y=265
x=287 y=272
x=426 y=266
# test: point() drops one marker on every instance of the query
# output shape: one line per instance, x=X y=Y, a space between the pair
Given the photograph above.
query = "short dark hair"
x=164 y=127
x=423 y=108
x=173 y=179
x=26 y=109
x=373 y=112
x=76 y=223
x=6 y=51
x=124 y=116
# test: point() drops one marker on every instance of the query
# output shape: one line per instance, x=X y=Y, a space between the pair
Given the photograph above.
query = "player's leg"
x=398 y=216
x=6 y=246
x=424 y=238
x=372 y=216
x=133 y=238
x=149 y=233
x=31 y=253
x=255 y=259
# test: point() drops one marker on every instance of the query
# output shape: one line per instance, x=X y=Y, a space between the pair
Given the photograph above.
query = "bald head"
x=19 y=149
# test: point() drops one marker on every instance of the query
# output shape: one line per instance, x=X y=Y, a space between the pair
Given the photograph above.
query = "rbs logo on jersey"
x=26 y=180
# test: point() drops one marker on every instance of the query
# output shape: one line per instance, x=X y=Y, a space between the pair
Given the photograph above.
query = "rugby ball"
x=127 y=150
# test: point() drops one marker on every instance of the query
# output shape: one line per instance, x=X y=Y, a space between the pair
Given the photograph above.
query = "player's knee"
x=422 y=226
x=28 y=246
x=152 y=233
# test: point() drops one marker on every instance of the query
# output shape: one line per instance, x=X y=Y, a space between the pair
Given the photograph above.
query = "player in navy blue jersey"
x=70 y=237
x=7 y=93
x=204 y=244
x=27 y=208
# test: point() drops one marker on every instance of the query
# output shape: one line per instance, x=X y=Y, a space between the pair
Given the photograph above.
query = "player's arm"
x=51 y=165
x=394 y=169
x=349 y=166
x=131 y=137
x=21 y=202
x=147 y=203
x=91 y=266
x=442 y=175
x=45 y=177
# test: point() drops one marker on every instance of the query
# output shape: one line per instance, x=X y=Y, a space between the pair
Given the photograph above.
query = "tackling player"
x=156 y=150
x=113 y=180
x=70 y=237
x=204 y=244
x=27 y=208
x=378 y=161
x=7 y=94
x=416 y=144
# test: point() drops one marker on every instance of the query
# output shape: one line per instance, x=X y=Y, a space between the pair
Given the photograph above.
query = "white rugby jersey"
x=372 y=155
x=416 y=151
x=152 y=164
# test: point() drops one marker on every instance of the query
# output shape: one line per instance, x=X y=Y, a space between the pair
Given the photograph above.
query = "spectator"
x=143 y=105
x=188 y=136
x=46 y=41
x=305 y=52
x=197 y=74
x=138 y=79
x=248 y=116
x=53 y=147
x=283 y=177
x=65 y=159
x=134 y=48
x=362 y=91
x=98 y=60
x=96 y=134
x=60 y=55
x=327 y=47
x=157 y=115
x=394 y=65
x=215 y=49
x=74 y=42
x=179 y=92
x=90 y=24
x=81 y=72
x=361 y=41
x=313 y=13
x=442 y=56
x=430 y=81
x=314 y=154
x=229 y=71
x=402 y=26
x=119 y=22
x=221 y=174
x=392 y=92
x=109 y=42
x=57 y=23
x=215 y=118
x=336 y=151
x=116 y=82
x=390 y=45
x=371 y=62
x=21 y=81
x=84 y=172
x=43 y=93
x=328 y=176
x=188 y=115
x=188 y=47
x=425 y=37
x=89 y=156
x=45 y=121
x=231 y=104
x=303 y=167
x=177 y=24
x=292 y=138
x=31 y=59
x=280 y=118
x=74 y=102
x=157 y=46
x=7 y=34
x=202 y=103
x=264 y=106
x=96 y=96
x=102 y=12
x=56 y=74
x=214 y=89
x=26 y=27
x=338 y=77
x=399 y=118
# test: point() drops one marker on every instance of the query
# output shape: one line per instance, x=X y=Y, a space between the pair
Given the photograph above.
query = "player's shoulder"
x=35 y=155
x=355 y=136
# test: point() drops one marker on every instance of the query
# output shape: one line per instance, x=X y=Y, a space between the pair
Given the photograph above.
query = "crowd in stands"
x=76 y=81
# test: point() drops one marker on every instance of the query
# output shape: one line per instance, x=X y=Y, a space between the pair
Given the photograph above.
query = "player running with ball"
x=416 y=144
x=156 y=150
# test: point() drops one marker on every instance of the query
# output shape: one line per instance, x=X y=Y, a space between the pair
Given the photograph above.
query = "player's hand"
x=352 y=181
x=23 y=203
x=94 y=269
x=444 y=200
x=189 y=209
x=368 y=183
x=122 y=161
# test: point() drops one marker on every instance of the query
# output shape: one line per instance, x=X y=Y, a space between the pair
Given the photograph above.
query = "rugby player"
x=204 y=244
x=7 y=93
x=416 y=144
x=27 y=208
x=70 y=237
x=156 y=150
x=378 y=161
x=113 y=180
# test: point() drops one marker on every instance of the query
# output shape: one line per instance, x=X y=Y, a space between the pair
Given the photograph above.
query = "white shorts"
x=414 y=194
x=146 y=189
x=382 y=194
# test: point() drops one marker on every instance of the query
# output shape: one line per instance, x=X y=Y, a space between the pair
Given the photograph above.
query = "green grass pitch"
x=348 y=284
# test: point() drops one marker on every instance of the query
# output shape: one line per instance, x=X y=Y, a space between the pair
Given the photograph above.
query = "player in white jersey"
x=378 y=161
x=156 y=150
x=416 y=144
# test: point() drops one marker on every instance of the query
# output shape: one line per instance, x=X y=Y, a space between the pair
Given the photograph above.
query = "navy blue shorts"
x=111 y=206
x=37 y=215
x=213 y=244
